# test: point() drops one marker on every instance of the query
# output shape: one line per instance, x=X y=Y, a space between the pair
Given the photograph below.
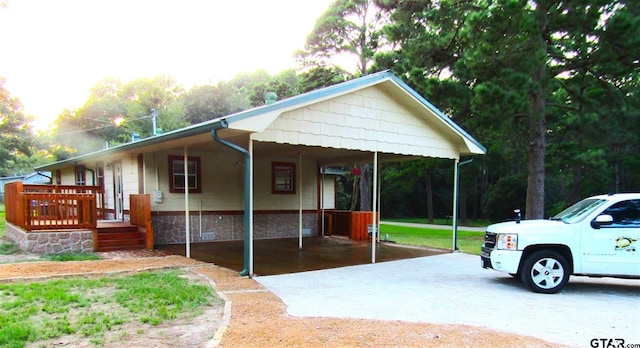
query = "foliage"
x=16 y=139
x=348 y=27
x=321 y=76
x=114 y=111
x=530 y=79
x=30 y=312
x=8 y=248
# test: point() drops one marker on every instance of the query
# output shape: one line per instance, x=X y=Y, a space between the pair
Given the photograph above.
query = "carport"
x=373 y=119
x=283 y=256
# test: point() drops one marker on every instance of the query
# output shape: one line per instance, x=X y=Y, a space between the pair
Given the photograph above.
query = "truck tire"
x=545 y=271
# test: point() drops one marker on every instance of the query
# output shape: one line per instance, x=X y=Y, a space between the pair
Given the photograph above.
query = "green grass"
x=468 y=242
x=3 y=221
x=70 y=256
x=424 y=220
x=8 y=248
x=91 y=308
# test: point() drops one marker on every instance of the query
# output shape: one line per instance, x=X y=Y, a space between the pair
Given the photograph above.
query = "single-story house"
x=260 y=173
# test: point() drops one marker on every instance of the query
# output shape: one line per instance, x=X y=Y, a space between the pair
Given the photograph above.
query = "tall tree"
x=114 y=111
x=349 y=28
x=525 y=63
x=16 y=138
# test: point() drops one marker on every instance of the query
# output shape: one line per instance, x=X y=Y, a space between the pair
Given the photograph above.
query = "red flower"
x=356 y=171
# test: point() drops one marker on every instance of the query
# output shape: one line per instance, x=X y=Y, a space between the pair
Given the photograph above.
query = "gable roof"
x=258 y=119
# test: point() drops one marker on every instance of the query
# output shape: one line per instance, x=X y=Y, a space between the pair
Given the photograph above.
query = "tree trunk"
x=365 y=188
x=427 y=177
x=462 y=206
x=537 y=130
x=354 y=193
x=537 y=145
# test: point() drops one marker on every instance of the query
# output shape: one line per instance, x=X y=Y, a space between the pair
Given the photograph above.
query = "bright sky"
x=54 y=51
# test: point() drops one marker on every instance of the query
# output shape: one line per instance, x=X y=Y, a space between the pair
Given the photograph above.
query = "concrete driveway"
x=454 y=289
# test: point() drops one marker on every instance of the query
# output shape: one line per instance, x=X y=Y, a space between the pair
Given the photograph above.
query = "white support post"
x=250 y=206
x=322 y=169
x=455 y=203
x=299 y=174
x=374 y=222
x=187 y=220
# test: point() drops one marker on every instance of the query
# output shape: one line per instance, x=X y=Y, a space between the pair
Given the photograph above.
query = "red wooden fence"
x=353 y=224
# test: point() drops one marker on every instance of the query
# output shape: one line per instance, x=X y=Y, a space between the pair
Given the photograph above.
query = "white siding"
x=329 y=192
x=223 y=183
x=367 y=120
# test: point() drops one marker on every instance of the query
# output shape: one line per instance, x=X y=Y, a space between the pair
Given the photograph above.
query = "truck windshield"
x=578 y=211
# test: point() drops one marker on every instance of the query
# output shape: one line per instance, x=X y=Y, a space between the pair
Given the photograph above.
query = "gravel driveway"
x=454 y=289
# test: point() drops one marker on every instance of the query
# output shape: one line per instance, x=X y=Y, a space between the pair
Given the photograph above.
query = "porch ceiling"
x=323 y=155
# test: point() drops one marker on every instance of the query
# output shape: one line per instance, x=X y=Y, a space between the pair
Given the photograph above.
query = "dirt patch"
x=252 y=316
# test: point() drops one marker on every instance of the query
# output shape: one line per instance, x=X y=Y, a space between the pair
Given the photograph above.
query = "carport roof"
x=257 y=119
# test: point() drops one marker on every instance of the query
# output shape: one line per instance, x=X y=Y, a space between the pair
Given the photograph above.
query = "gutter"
x=223 y=124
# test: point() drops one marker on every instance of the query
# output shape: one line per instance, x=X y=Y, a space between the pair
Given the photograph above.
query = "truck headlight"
x=507 y=241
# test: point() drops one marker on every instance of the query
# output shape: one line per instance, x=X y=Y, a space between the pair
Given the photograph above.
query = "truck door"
x=614 y=248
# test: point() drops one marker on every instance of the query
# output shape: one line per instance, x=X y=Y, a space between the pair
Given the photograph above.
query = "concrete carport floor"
x=282 y=256
x=453 y=289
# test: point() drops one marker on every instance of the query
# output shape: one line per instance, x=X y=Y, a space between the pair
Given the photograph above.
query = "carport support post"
x=456 y=198
x=322 y=200
x=248 y=196
x=375 y=228
x=299 y=201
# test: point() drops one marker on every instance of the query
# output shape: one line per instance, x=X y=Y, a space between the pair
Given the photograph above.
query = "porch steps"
x=120 y=237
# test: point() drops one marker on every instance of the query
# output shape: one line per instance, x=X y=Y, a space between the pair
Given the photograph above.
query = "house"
x=259 y=173
x=33 y=178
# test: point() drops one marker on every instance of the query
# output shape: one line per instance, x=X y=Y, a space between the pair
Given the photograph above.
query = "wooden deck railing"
x=42 y=207
x=140 y=215
x=97 y=190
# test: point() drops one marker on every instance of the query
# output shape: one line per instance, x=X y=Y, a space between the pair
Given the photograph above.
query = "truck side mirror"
x=602 y=220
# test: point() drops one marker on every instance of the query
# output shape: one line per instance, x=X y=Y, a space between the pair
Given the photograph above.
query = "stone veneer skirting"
x=169 y=228
x=51 y=242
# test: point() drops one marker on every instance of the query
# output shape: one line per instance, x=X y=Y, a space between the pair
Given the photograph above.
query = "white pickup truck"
x=596 y=237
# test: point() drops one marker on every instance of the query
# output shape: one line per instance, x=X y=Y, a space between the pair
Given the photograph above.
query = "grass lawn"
x=424 y=220
x=95 y=309
x=468 y=242
x=2 y=221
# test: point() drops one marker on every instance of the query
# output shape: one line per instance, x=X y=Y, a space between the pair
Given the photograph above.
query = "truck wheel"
x=545 y=271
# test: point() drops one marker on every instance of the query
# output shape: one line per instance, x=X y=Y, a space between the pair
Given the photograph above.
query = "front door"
x=614 y=248
x=118 y=190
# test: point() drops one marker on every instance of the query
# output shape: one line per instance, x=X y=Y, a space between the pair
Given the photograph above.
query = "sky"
x=53 y=52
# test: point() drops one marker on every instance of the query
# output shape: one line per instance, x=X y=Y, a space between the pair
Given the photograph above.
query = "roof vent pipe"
x=247 y=177
x=270 y=98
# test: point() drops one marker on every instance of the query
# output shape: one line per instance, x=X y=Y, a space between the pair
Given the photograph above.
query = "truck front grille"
x=490 y=240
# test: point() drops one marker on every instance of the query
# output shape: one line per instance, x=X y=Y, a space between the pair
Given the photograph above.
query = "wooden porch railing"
x=97 y=190
x=41 y=207
x=140 y=215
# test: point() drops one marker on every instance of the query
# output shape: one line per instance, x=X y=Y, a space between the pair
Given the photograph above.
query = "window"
x=177 y=174
x=625 y=214
x=100 y=174
x=81 y=176
x=283 y=177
